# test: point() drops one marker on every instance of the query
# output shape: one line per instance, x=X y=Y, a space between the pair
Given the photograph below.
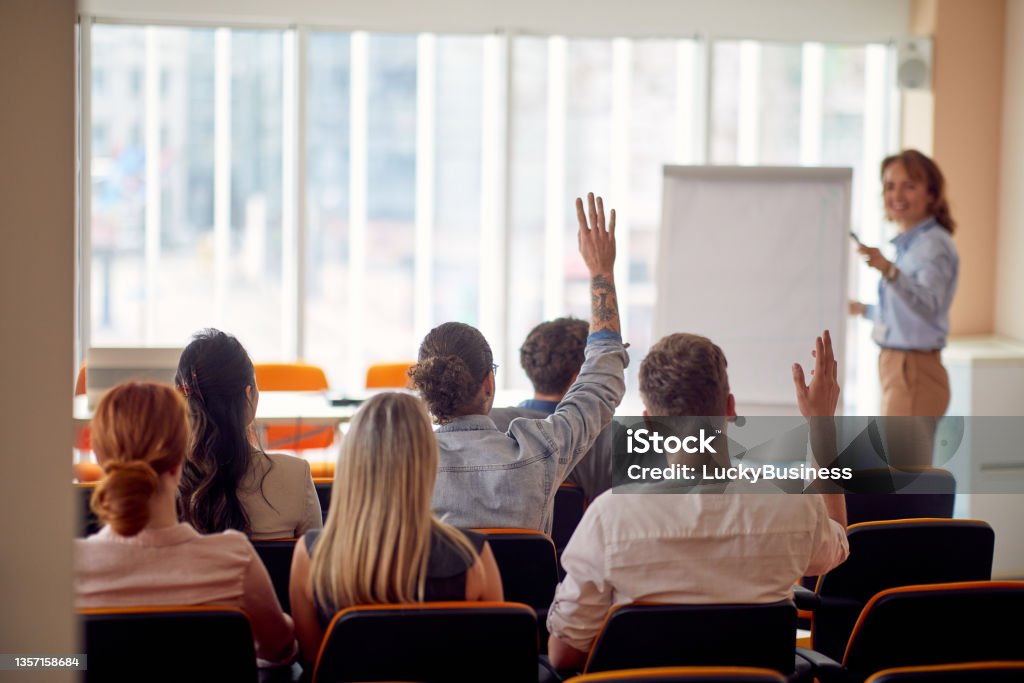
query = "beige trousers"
x=914 y=384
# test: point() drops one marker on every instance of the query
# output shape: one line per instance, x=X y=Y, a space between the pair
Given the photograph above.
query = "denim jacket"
x=489 y=478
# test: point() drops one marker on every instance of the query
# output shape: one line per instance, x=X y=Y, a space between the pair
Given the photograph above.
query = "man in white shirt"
x=698 y=548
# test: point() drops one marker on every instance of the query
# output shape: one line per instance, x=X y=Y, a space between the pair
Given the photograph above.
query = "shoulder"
x=310 y=538
x=446 y=559
x=289 y=463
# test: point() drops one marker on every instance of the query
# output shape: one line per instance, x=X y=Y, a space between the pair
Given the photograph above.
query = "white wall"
x=831 y=21
x=37 y=219
x=1010 y=273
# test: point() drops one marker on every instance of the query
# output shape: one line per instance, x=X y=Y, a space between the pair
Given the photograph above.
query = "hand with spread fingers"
x=821 y=396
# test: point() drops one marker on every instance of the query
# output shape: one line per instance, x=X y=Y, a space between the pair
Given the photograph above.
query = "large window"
x=332 y=196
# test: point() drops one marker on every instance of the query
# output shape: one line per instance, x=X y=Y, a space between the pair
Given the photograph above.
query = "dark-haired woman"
x=914 y=295
x=143 y=555
x=229 y=482
x=489 y=478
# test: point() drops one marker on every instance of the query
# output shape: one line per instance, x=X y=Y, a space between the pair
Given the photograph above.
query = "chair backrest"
x=177 y=643
x=389 y=376
x=88 y=523
x=323 y=492
x=440 y=641
x=277 y=558
x=897 y=553
x=901 y=494
x=971 y=672
x=937 y=624
x=648 y=635
x=293 y=377
x=570 y=504
x=528 y=565
x=290 y=377
x=685 y=674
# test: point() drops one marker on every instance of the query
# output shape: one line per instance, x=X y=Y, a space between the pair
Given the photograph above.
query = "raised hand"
x=596 y=240
x=821 y=396
x=597 y=247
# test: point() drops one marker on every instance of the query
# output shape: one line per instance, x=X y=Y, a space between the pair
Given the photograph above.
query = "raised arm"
x=597 y=246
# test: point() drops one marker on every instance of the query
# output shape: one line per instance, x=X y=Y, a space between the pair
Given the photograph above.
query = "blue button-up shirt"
x=913 y=308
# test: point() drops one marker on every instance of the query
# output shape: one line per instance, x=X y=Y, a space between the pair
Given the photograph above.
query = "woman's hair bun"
x=121 y=498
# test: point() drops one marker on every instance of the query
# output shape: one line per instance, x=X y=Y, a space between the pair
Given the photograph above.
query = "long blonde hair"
x=375 y=544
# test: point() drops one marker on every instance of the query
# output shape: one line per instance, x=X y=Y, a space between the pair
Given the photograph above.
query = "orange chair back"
x=293 y=377
x=389 y=376
x=83 y=438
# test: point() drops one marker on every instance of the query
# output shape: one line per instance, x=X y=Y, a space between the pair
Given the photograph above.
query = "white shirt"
x=689 y=548
x=179 y=566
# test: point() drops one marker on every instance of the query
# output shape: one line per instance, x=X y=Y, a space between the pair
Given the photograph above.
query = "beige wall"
x=968 y=91
x=1010 y=270
x=37 y=214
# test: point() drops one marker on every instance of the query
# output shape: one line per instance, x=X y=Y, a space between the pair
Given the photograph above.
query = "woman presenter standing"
x=914 y=294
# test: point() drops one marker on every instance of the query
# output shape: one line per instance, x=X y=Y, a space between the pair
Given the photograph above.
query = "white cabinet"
x=986 y=376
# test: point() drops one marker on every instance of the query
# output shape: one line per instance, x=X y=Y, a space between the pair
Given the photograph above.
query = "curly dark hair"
x=553 y=353
x=454 y=360
x=685 y=375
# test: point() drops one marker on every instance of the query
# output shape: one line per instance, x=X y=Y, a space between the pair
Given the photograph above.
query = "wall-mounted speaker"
x=914 y=64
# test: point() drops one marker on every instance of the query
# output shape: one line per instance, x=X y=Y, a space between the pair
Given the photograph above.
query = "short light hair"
x=685 y=375
x=553 y=354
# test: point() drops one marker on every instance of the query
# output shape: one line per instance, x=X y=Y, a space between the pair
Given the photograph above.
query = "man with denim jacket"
x=489 y=478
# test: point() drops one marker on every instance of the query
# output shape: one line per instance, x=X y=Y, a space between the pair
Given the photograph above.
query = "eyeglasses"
x=494 y=369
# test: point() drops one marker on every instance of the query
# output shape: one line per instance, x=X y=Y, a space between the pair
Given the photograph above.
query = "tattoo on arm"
x=604 y=305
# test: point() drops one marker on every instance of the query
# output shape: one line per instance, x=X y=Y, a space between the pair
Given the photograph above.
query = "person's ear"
x=730 y=406
x=489 y=384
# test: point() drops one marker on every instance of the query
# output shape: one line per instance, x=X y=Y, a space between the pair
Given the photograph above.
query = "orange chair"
x=684 y=674
x=83 y=440
x=389 y=376
x=293 y=377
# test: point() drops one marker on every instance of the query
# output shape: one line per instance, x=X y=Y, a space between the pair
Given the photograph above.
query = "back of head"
x=923 y=169
x=553 y=353
x=375 y=545
x=685 y=375
x=213 y=373
x=454 y=360
x=139 y=431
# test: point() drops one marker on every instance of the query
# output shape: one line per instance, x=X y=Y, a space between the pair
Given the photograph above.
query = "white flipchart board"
x=755 y=259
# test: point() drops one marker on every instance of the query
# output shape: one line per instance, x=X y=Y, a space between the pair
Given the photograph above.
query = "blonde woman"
x=381 y=543
x=144 y=555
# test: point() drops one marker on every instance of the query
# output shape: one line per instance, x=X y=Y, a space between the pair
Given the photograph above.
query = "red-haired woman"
x=143 y=555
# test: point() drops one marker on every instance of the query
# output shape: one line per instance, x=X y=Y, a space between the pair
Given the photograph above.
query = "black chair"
x=890 y=554
x=684 y=674
x=570 y=503
x=323 y=492
x=972 y=672
x=441 y=642
x=528 y=565
x=900 y=494
x=88 y=523
x=277 y=558
x=171 y=643
x=929 y=625
x=639 y=635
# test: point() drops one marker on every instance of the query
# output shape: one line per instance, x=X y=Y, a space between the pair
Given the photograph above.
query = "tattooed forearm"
x=604 y=305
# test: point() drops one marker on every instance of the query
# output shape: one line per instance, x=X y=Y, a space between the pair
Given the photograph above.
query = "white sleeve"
x=584 y=597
